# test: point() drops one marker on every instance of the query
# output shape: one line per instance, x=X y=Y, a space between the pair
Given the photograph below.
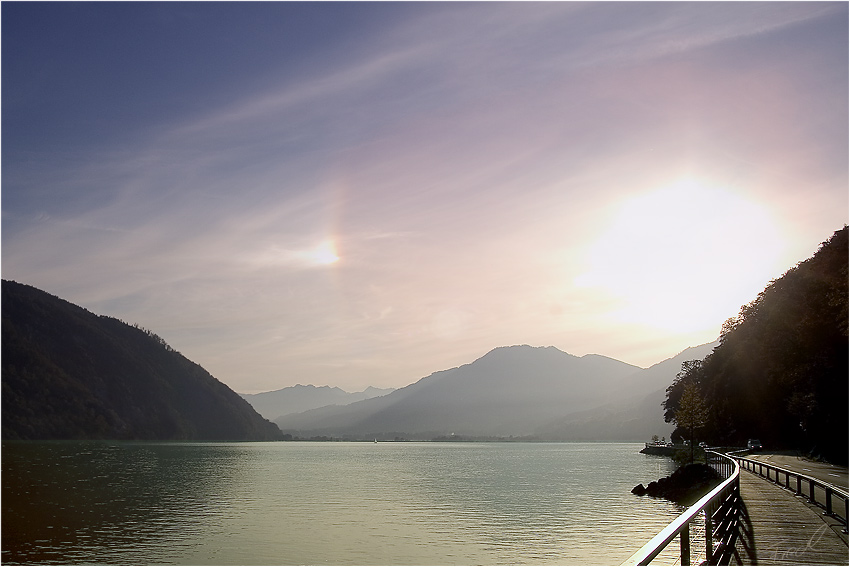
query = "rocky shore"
x=685 y=486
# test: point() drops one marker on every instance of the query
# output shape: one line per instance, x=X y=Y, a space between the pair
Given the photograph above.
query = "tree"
x=691 y=374
x=780 y=371
x=692 y=413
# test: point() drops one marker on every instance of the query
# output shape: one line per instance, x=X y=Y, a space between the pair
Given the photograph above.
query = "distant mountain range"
x=519 y=391
x=296 y=399
x=70 y=374
x=634 y=413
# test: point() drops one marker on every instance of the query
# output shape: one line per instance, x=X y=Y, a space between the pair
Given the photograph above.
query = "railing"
x=721 y=511
x=815 y=487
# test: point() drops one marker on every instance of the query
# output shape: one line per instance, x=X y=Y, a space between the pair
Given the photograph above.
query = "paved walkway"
x=779 y=528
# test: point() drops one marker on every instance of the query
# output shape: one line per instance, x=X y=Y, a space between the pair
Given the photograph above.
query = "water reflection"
x=540 y=503
x=67 y=502
x=327 y=503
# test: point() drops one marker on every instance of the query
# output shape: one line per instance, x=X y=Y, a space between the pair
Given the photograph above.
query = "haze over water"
x=328 y=503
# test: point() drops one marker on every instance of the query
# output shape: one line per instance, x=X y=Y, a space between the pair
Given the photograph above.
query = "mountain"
x=70 y=374
x=517 y=390
x=658 y=376
x=296 y=399
x=634 y=413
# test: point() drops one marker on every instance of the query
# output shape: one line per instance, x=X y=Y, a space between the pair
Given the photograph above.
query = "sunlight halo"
x=324 y=254
x=684 y=258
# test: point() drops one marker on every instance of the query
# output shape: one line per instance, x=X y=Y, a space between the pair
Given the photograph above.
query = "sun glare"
x=684 y=258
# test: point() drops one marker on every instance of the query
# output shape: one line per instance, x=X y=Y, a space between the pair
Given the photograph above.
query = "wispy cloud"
x=460 y=164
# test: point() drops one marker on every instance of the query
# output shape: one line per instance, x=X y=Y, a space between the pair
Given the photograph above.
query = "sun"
x=683 y=258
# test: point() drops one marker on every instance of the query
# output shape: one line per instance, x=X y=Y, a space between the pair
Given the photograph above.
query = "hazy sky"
x=363 y=193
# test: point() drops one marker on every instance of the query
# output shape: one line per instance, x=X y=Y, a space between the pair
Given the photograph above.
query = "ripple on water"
x=328 y=503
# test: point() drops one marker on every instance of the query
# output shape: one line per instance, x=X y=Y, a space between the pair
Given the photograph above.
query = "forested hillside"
x=780 y=373
x=70 y=374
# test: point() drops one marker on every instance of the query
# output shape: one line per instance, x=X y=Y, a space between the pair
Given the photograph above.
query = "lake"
x=328 y=503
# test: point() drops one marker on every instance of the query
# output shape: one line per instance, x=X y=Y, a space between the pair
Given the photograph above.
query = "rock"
x=685 y=486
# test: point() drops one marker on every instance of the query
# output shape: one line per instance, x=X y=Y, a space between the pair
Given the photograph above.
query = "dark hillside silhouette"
x=70 y=374
x=780 y=373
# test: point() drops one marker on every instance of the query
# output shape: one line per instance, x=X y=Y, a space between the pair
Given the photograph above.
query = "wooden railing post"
x=685 y=544
x=828 y=492
x=709 y=545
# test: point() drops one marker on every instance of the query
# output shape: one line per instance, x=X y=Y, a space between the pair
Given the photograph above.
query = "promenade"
x=779 y=528
x=774 y=526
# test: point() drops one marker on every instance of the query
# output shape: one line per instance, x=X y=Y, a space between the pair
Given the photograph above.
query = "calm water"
x=328 y=503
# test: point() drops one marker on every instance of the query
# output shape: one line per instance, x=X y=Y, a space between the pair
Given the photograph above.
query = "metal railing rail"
x=721 y=509
x=829 y=490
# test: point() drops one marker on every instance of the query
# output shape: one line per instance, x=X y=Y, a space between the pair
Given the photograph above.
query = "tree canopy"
x=780 y=372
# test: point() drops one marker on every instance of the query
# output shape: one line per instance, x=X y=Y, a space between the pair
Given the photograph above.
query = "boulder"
x=685 y=486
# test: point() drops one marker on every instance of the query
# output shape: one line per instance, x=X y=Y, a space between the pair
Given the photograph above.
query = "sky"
x=361 y=194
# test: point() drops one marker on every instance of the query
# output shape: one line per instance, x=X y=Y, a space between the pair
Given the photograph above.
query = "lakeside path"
x=779 y=528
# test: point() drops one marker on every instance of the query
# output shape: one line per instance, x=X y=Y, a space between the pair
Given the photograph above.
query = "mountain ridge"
x=635 y=415
x=70 y=374
x=516 y=390
x=303 y=397
x=62 y=359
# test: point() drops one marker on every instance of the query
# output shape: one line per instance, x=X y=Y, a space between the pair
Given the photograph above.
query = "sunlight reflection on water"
x=328 y=503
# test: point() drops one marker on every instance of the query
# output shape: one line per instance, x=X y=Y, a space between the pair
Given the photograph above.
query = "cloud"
x=458 y=163
x=314 y=92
